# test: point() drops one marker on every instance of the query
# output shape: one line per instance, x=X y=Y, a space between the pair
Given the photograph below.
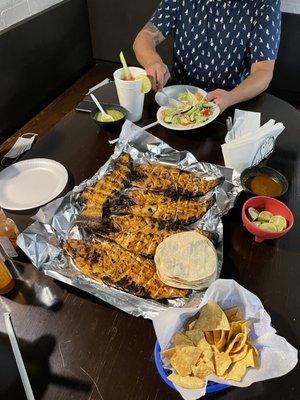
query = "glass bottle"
x=6 y=280
x=8 y=234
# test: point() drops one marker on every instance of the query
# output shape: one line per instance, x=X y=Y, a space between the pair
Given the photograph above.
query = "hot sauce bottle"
x=6 y=280
x=8 y=235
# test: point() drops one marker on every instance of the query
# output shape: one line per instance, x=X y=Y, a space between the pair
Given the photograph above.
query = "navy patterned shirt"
x=216 y=41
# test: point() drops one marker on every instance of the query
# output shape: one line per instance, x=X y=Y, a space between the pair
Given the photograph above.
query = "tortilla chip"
x=220 y=339
x=236 y=372
x=209 y=337
x=184 y=358
x=222 y=361
x=212 y=318
x=255 y=353
x=191 y=325
x=208 y=362
x=195 y=335
x=233 y=314
x=238 y=342
x=168 y=353
x=238 y=345
x=187 y=382
x=180 y=339
x=249 y=360
x=201 y=370
x=205 y=348
x=238 y=327
x=216 y=336
x=240 y=354
x=239 y=369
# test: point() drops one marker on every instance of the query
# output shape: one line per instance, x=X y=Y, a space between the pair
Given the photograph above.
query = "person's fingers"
x=212 y=95
x=151 y=72
x=167 y=76
x=160 y=74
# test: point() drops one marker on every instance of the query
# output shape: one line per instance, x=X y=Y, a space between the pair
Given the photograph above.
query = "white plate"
x=173 y=91
x=31 y=183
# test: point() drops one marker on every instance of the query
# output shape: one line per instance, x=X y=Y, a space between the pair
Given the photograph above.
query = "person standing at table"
x=227 y=47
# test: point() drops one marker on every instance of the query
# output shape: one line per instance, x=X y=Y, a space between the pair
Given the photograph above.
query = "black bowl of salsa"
x=118 y=112
x=264 y=181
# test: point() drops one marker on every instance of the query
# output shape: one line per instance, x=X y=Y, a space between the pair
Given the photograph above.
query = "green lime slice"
x=146 y=84
x=279 y=221
x=265 y=216
x=267 y=226
x=257 y=223
x=253 y=213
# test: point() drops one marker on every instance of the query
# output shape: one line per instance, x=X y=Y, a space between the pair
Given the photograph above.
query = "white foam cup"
x=130 y=92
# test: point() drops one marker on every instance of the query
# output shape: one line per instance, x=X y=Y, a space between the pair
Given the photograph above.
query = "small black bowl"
x=251 y=172
x=114 y=126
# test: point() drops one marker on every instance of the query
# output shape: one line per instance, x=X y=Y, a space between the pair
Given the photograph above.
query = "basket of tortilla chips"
x=227 y=340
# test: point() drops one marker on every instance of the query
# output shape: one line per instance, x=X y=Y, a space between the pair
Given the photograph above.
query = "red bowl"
x=264 y=203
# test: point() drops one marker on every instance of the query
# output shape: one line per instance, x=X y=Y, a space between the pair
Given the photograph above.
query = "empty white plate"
x=31 y=183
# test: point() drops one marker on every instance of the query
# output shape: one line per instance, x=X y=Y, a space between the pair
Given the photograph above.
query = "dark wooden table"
x=76 y=347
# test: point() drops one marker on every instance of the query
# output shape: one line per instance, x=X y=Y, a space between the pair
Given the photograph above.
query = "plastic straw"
x=144 y=128
x=18 y=356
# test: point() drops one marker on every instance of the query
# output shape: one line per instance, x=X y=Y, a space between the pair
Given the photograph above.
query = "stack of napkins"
x=248 y=143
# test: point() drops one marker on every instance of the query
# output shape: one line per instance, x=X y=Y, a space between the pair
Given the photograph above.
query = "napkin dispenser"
x=248 y=143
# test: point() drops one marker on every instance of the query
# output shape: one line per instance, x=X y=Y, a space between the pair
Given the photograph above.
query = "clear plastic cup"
x=130 y=92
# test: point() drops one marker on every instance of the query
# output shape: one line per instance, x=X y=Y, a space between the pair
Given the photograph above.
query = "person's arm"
x=256 y=83
x=144 y=47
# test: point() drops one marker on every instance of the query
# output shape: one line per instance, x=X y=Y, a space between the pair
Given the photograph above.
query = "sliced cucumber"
x=186 y=108
x=168 y=119
x=209 y=104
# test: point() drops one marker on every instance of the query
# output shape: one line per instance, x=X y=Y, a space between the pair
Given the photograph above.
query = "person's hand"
x=159 y=75
x=221 y=97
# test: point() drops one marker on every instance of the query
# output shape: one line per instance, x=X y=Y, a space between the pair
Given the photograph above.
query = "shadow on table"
x=87 y=296
x=30 y=290
x=36 y=357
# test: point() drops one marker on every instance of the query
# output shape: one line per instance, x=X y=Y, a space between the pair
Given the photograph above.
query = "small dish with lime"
x=266 y=218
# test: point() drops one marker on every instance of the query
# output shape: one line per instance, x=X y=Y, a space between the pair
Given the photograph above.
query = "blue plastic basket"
x=211 y=387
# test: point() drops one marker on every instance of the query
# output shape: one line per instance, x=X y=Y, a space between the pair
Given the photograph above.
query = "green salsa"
x=115 y=114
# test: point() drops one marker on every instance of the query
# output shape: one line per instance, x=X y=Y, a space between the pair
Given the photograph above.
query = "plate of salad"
x=192 y=112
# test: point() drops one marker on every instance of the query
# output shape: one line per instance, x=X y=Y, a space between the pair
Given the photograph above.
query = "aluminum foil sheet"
x=56 y=222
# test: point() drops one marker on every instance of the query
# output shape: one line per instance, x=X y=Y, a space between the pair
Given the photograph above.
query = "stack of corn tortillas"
x=186 y=260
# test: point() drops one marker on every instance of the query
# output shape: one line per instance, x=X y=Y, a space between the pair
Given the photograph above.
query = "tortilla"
x=186 y=260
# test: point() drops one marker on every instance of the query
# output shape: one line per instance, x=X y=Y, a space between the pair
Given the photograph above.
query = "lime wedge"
x=127 y=73
x=257 y=223
x=279 y=221
x=253 y=213
x=146 y=84
x=267 y=226
x=265 y=216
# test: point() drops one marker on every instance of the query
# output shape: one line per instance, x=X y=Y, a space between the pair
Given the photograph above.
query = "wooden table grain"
x=77 y=347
